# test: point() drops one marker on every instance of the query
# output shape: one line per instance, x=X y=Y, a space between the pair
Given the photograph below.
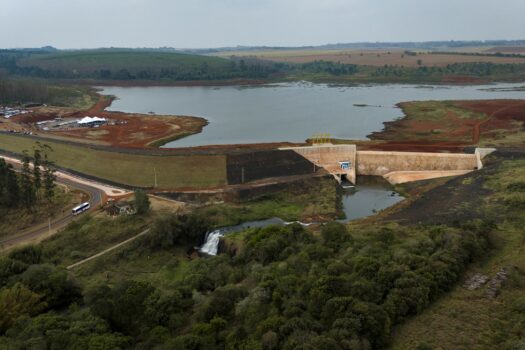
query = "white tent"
x=91 y=120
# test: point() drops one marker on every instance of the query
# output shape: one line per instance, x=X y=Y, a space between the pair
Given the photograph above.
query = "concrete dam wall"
x=396 y=167
x=381 y=163
x=329 y=157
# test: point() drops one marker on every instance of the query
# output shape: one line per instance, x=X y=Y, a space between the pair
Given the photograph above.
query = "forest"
x=288 y=288
x=35 y=181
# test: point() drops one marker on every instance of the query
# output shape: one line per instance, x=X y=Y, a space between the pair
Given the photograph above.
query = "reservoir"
x=291 y=111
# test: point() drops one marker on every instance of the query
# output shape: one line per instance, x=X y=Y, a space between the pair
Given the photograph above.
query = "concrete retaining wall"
x=379 y=163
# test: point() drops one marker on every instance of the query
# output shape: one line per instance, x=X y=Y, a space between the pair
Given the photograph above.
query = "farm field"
x=181 y=171
x=378 y=57
x=507 y=49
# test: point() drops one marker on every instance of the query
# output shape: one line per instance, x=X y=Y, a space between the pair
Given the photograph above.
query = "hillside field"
x=375 y=57
x=192 y=171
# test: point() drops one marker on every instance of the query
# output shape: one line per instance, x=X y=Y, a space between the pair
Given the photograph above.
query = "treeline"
x=183 y=70
x=477 y=69
x=35 y=181
x=288 y=288
x=23 y=91
x=478 y=54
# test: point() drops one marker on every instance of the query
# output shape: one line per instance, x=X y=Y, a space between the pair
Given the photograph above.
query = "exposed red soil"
x=462 y=79
x=500 y=115
x=132 y=130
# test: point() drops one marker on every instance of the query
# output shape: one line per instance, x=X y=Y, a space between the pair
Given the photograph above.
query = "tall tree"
x=142 y=203
x=49 y=179
x=12 y=194
x=37 y=173
x=26 y=183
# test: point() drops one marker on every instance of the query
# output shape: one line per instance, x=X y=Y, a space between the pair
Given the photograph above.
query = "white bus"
x=80 y=208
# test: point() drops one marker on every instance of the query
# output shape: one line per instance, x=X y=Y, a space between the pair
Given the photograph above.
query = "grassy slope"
x=90 y=235
x=77 y=97
x=465 y=319
x=133 y=170
x=118 y=59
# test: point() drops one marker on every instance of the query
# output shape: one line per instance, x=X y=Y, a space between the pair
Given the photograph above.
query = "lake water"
x=290 y=111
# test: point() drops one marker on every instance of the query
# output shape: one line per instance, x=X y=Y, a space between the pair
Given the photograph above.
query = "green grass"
x=89 y=235
x=77 y=97
x=315 y=201
x=133 y=170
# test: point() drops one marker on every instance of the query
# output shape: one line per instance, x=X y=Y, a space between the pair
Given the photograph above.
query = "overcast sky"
x=215 y=23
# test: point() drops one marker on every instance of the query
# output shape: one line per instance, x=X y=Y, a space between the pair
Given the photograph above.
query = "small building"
x=120 y=208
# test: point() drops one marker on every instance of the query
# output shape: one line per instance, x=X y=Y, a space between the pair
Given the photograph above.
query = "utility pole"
x=155 y=171
x=49 y=225
x=242 y=175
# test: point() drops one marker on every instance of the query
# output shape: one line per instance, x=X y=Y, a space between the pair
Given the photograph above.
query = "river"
x=289 y=111
x=371 y=195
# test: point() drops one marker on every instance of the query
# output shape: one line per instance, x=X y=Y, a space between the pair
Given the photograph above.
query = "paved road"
x=95 y=198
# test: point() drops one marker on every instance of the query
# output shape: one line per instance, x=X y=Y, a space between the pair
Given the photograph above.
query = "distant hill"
x=125 y=64
x=427 y=45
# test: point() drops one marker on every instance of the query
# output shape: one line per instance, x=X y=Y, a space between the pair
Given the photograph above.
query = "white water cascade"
x=212 y=239
x=211 y=242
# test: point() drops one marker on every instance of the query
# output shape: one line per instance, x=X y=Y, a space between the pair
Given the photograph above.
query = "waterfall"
x=211 y=243
x=212 y=239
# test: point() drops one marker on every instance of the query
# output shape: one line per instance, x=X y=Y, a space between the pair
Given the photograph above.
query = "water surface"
x=292 y=111
x=371 y=195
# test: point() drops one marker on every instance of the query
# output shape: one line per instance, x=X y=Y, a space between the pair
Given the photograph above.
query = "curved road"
x=96 y=197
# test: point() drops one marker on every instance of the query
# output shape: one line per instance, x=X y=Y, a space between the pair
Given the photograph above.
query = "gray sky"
x=214 y=23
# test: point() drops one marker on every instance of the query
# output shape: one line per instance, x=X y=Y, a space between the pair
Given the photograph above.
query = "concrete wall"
x=328 y=157
x=379 y=163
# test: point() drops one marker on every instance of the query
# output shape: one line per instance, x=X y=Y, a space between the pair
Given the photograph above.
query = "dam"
x=346 y=161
